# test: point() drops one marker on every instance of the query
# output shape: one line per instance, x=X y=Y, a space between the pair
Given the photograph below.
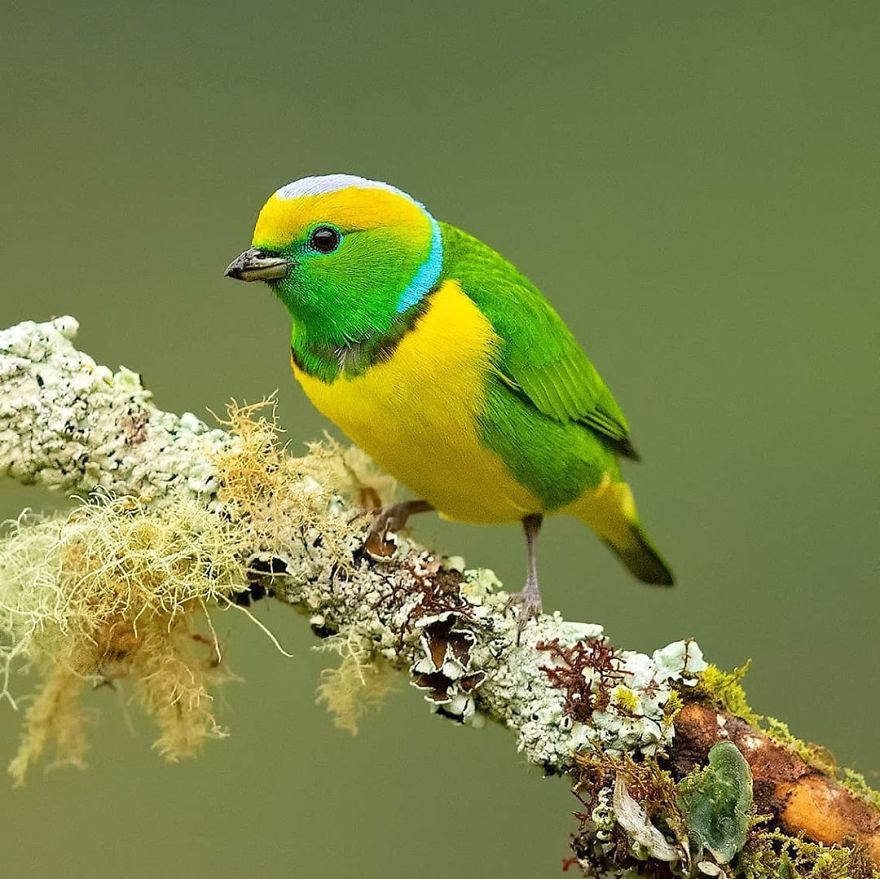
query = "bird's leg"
x=389 y=520
x=529 y=600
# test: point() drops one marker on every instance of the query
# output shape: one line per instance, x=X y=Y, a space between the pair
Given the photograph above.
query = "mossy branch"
x=183 y=520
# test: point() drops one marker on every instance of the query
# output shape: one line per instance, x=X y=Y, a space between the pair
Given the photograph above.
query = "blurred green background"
x=695 y=186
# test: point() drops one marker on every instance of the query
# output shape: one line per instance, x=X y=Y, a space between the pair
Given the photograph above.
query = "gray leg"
x=390 y=520
x=529 y=600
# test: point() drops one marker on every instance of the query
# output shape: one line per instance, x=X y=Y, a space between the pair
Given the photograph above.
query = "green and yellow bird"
x=445 y=364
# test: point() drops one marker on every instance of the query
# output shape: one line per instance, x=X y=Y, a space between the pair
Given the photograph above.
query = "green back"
x=539 y=359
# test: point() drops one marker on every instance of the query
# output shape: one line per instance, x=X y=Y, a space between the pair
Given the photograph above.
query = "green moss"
x=855 y=783
x=724 y=689
x=624 y=698
x=772 y=854
x=813 y=755
x=671 y=708
x=647 y=782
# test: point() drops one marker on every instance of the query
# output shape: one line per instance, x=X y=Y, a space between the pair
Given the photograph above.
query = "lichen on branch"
x=116 y=591
x=182 y=521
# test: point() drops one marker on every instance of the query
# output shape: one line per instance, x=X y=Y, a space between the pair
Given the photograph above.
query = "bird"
x=450 y=368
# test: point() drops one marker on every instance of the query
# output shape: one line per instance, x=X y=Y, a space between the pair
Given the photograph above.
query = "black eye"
x=325 y=239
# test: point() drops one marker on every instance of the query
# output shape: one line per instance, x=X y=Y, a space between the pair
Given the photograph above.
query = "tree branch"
x=576 y=704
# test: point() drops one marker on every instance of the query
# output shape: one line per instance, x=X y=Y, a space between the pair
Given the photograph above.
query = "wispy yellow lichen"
x=268 y=492
x=351 y=471
x=54 y=715
x=120 y=589
x=116 y=590
x=360 y=682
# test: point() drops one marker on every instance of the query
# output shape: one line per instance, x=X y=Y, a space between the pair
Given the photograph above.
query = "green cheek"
x=347 y=297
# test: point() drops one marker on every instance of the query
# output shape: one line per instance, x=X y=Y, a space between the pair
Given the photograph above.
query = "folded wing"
x=539 y=357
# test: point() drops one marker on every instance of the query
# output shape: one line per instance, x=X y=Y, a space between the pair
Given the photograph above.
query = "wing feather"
x=539 y=357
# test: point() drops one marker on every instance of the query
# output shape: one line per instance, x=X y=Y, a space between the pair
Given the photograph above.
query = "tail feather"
x=642 y=559
x=611 y=512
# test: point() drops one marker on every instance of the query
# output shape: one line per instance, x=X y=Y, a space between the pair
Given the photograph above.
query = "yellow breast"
x=417 y=413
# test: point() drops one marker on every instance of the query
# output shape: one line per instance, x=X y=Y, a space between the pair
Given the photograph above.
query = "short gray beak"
x=258 y=265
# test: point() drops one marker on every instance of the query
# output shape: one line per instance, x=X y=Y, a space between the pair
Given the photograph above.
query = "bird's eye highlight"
x=325 y=239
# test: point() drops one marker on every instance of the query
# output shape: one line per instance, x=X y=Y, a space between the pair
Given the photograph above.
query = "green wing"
x=540 y=358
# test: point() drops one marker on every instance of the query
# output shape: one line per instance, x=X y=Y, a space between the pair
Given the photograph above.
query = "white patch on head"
x=333 y=183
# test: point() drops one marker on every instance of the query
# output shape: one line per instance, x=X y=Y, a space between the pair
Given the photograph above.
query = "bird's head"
x=346 y=255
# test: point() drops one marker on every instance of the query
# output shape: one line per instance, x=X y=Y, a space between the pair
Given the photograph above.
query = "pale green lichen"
x=716 y=802
x=480 y=583
x=77 y=426
x=627 y=697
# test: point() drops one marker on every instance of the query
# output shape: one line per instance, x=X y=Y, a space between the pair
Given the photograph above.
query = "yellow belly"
x=416 y=414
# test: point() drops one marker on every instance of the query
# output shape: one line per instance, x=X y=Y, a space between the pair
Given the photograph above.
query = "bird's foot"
x=528 y=605
x=386 y=523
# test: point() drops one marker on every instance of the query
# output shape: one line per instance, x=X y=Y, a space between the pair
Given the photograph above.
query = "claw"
x=528 y=604
x=380 y=540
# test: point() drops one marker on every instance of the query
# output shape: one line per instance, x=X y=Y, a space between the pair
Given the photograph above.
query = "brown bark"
x=800 y=797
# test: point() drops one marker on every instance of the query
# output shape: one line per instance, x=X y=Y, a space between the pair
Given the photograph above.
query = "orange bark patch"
x=800 y=797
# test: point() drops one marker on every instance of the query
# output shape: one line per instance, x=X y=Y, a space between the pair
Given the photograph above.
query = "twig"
x=565 y=692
